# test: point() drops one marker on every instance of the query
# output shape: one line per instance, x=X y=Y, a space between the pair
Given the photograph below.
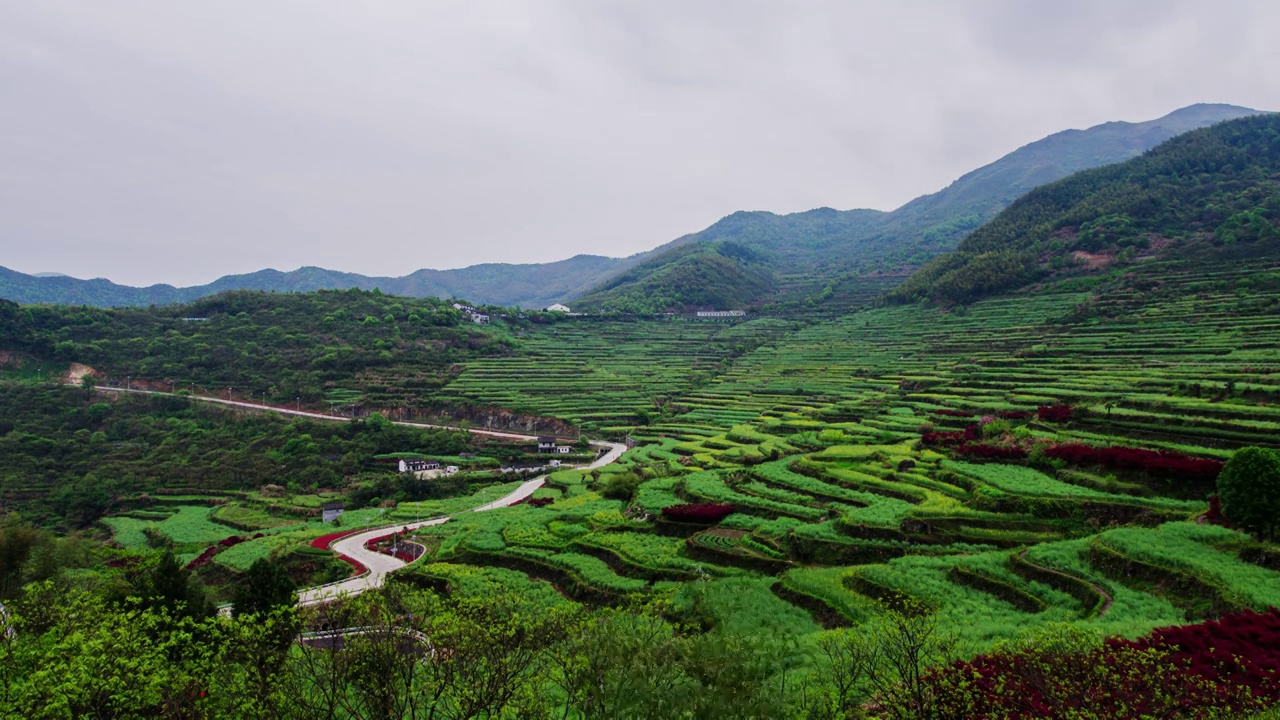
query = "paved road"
x=380 y=565
x=353 y=545
x=314 y=415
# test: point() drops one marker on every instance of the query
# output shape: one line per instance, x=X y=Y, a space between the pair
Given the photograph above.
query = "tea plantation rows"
x=904 y=457
x=599 y=372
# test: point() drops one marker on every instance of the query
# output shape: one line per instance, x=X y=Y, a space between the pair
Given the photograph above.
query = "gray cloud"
x=175 y=142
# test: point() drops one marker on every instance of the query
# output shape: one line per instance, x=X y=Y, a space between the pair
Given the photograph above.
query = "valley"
x=1013 y=470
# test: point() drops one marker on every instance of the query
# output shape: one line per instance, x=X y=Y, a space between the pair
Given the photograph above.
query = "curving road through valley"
x=380 y=565
x=352 y=546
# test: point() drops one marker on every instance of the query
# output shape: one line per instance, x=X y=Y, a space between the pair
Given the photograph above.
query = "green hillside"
x=284 y=347
x=708 y=275
x=1209 y=195
x=842 y=258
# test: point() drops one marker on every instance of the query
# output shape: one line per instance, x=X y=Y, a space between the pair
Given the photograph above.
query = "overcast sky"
x=178 y=141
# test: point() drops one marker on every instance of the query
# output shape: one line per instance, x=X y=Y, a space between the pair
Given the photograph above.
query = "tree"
x=169 y=587
x=265 y=588
x=1249 y=490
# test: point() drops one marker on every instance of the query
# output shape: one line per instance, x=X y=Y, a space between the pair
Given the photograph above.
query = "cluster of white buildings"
x=474 y=315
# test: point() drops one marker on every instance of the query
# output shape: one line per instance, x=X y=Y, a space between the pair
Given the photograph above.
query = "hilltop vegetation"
x=717 y=274
x=1205 y=196
x=326 y=349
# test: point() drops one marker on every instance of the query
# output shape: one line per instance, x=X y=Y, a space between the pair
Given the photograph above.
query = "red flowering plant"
x=1214 y=669
x=1163 y=462
x=704 y=513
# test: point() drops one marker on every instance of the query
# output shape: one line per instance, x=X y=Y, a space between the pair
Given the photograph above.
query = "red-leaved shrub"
x=203 y=557
x=992 y=452
x=324 y=541
x=1230 y=665
x=1163 y=462
x=697 y=513
x=948 y=439
x=1054 y=413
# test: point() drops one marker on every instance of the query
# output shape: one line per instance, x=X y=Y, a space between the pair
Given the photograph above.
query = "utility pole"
x=299 y=404
x=128 y=382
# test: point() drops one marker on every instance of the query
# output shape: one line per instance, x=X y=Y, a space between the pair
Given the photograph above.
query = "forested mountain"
x=534 y=285
x=747 y=258
x=825 y=252
x=1209 y=194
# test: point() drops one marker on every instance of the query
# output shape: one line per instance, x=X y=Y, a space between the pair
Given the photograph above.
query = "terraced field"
x=607 y=374
x=909 y=457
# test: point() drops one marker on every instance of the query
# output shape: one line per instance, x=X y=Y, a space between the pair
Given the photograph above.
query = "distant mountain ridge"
x=826 y=255
x=746 y=259
x=531 y=286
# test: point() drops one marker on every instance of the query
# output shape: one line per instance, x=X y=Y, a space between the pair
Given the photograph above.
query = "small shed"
x=330 y=511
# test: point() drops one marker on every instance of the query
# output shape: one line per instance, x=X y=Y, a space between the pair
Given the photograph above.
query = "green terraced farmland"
x=605 y=374
x=843 y=512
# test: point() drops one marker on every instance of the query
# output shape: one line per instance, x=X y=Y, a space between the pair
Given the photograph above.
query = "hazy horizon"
x=177 y=144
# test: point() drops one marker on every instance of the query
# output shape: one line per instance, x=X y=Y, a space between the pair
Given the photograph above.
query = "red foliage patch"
x=992 y=452
x=203 y=557
x=1230 y=664
x=949 y=439
x=1054 y=413
x=697 y=513
x=1164 y=462
x=1239 y=649
x=1013 y=415
x=324 y=541
x=540 y=502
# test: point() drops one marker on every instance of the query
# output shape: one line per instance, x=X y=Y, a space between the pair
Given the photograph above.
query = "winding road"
x=352 y=546
x=380 y=565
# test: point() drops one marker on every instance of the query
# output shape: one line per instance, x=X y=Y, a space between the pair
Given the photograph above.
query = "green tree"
x=169 y=587
x=266 y=587
x=1249 y=489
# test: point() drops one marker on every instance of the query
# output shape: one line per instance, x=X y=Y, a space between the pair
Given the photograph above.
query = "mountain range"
x=747 y=259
